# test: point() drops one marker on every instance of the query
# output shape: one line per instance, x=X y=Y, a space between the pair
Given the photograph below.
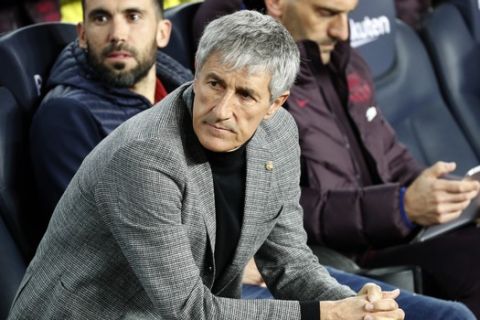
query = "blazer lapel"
x=260 y=166
x=202 y=177
x=201 y=173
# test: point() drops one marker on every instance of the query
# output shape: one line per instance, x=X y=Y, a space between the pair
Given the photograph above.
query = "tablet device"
x=469 y=215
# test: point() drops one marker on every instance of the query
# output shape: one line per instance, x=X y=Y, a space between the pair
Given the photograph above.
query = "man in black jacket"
x=112 y=72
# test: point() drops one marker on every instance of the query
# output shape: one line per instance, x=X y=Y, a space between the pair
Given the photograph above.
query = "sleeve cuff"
x=403 y=213
x=310 y=310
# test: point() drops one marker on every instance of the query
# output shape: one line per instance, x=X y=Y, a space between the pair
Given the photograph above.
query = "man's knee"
x=457 y=311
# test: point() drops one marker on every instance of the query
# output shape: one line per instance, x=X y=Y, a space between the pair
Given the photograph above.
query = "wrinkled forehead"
x=242 y=63
x=249 y=76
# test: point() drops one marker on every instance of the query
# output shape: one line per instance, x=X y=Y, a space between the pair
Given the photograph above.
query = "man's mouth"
x=219 y=128
x=119 y=55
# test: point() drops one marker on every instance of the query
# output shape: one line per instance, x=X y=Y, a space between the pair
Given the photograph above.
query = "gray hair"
x=255 y=41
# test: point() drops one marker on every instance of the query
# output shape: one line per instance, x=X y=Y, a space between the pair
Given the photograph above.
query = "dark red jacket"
x=340 y=210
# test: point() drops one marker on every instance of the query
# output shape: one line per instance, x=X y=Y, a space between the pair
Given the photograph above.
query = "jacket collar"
x=310 y=55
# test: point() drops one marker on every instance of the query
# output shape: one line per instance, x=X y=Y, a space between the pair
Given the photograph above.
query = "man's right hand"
x=370 y=304
x=252 y=276
x=432 y=200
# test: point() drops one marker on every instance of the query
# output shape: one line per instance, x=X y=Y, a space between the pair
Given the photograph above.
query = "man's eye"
x=213 y=83
x=325 y=13
x=134 y=16
x=245 y=96
x=100 y=19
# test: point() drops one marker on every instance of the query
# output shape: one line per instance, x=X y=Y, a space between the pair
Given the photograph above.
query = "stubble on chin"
x=116 y=75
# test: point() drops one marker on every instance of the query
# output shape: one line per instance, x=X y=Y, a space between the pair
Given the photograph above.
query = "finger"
x=439 y=169
x=391 y=294
x=397 y=314
x=451 y=208
x=473 y=194
x=440 y=197
x=378 y=317
x=444 y=218
x=472 y=182
x=367 y=286
x=436 y=218
x=384 y=305
x=372 y=291
x=462 y=186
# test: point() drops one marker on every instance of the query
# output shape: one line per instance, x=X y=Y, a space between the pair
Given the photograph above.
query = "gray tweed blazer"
x=133 y=237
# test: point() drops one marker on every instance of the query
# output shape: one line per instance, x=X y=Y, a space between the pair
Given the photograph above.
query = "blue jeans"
x=416 y=307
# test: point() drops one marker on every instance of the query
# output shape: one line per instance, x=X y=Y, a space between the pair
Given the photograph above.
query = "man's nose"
x=339 y=27
x=119 y=30
x=223 y=108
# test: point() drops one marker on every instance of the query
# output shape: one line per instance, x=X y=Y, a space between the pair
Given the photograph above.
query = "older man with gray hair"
x=162 y=217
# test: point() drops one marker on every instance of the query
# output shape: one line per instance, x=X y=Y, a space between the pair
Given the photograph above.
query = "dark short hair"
x=159 y=4
x=258 y=5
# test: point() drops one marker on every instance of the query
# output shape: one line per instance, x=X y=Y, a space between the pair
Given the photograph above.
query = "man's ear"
x=163 y=33
x=82 y=38
x=276 y=104
x=274 y=8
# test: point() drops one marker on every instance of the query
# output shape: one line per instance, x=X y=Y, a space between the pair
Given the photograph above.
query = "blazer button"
x=210 y=269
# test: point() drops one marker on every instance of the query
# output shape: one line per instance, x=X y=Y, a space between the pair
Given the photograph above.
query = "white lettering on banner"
x=368 y=30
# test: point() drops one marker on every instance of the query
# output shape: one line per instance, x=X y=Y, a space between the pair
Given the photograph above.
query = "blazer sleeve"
x=286 y=263
x=63 y=132
x=141 y=197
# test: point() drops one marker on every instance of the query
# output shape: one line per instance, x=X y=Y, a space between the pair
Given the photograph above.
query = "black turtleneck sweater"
x=229 y=175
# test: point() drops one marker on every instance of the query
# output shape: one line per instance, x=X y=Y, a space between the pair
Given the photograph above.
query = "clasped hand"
x=371 y=303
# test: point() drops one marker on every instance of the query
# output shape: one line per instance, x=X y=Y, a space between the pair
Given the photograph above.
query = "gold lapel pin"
x=269 y=165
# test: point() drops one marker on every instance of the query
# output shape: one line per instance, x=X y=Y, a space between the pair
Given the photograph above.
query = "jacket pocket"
x=86 y=301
